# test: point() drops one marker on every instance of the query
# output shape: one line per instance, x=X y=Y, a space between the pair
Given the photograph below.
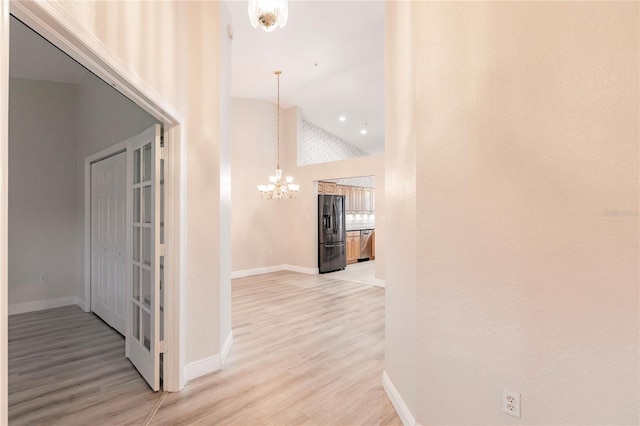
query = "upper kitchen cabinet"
x=330 y=188
x=357 y=199
x=366 y=200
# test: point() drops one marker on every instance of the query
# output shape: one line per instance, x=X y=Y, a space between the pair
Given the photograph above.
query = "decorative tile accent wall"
x=320 y=146
x=363 y=181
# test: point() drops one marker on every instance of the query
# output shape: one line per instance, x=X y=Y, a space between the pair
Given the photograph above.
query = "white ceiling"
x=346 y=41
x=331 y=54
x=34 y=58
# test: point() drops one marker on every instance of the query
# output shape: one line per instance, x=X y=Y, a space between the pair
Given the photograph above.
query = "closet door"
x=108 y=240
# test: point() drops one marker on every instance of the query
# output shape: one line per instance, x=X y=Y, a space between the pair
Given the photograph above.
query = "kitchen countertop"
x=366 y=228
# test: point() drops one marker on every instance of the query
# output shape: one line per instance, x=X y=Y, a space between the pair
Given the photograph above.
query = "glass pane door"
x=143 y=331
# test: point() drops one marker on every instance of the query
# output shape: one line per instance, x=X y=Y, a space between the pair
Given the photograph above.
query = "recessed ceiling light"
x=363 y=131
x=342 y=118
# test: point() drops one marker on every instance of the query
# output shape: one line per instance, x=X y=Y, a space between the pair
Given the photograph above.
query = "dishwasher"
x=365 y=245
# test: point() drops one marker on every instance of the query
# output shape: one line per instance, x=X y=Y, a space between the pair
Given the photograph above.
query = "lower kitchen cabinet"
x=353 y=246
x=373 y=245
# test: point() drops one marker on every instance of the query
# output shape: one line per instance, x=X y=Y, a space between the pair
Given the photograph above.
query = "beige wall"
x=257 y=225
x=400 y=167
x=527 y=141
x=42 y=190
x=175 y=48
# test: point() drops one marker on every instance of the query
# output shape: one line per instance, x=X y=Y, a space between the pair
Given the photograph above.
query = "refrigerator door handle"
x=334 y=216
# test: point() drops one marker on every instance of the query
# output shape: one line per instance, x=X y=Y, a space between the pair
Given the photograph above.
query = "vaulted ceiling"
x=331 y=54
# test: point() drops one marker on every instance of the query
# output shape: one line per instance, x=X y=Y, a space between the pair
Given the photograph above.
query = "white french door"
x=108 y=240
x=143 y=258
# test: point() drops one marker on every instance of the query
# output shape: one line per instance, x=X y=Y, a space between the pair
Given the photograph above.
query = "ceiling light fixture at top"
x=268 y=13
x=342 y=118
x=364 y=129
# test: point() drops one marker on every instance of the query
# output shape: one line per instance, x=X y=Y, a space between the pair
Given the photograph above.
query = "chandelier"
x=278 y=189
x=268 y=13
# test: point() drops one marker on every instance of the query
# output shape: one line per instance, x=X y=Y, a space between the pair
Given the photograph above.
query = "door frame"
x=53 y=23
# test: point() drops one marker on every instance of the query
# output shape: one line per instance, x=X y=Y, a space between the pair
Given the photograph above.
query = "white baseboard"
x=202 y=367
x=274 y=268
x=380 y=283
x=226 y=348
x=255 y=271
x=208 y=365
x=300 y=269
x=396 y=400
x=39 y=305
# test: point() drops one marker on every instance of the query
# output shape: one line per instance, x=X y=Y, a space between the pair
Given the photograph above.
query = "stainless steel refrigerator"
x=332 y=234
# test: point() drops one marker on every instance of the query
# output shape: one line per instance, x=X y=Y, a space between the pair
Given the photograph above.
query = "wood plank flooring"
x=67 y=367
x=308 y=350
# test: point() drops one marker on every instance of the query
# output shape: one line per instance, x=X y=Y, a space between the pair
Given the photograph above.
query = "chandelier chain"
x=279 y=187
x=278 y=74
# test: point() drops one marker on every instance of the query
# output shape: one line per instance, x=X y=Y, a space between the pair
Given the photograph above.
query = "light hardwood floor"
x=361 y=272
x=307 y=350
x=67 y=367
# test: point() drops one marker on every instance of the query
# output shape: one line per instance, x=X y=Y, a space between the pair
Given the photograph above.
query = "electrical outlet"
x=43 y=278
x=511 y=403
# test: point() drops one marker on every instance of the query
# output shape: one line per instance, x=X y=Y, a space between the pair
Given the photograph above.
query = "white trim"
x=380 y=283
x=275 y=268
x=174 y=331
x=107 y=152
x=396 y=400
x=300 y=269
x=226 y=348
x=202 y=367
x=256 y=271
x=4 y=190
x=41 y=305
x=51 y=21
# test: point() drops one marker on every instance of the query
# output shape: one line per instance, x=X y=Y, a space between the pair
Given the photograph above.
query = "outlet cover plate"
x=511 y=403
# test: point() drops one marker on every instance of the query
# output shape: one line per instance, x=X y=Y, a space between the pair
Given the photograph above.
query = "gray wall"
x=42 y=190
x=105 y=117
x=53 y=127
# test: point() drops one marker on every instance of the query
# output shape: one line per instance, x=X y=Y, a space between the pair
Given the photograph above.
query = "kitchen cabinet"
x=358 y=199
x=366 y=200
x=373 y=200
x=353 y=246
x=344 y=190
x=373 y=245
x=329 y=188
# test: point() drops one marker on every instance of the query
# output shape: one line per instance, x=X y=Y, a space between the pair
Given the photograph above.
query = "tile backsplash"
x=360 y=221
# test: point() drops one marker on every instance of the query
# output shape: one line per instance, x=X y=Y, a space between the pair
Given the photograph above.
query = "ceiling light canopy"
x=342 y=118
x=268 y=13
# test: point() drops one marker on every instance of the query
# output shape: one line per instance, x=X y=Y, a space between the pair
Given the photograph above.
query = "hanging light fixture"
x=277 y=189
x=268 y=13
